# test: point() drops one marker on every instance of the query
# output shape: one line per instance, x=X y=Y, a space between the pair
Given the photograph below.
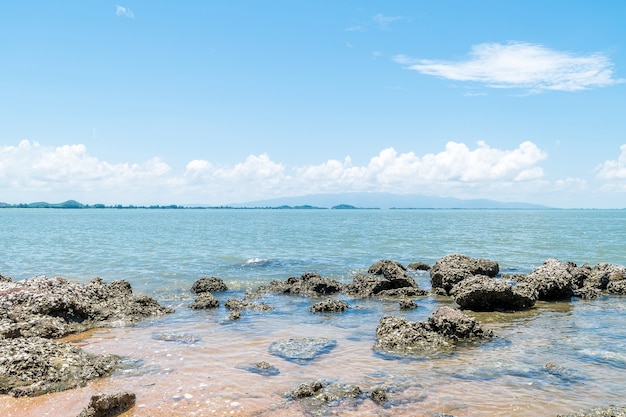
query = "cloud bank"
x=527 y=66
x=32 y=172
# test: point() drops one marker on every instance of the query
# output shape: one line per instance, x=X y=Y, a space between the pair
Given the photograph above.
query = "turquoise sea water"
x=556 y=358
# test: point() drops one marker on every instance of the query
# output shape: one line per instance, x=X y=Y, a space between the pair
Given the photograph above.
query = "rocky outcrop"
x=55 y=307
x=388 y=279
x=209 y=284
x=329 y=306
x=452 y=269
x=308 y=284
x=109 y=405
x=482 y=293
x=444 y=328
x=205 y=301
x=34 y=366
x=418 y=266
x=555 y=280
x=36 y=309
x=245 y=304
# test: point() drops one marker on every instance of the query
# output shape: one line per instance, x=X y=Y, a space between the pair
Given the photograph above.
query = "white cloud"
x=522 y=65
x=124 y=11
x=616 y=169
x=68 y=171
x=384 y=21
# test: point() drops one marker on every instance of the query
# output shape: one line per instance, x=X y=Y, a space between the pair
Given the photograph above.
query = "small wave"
x=258 y=262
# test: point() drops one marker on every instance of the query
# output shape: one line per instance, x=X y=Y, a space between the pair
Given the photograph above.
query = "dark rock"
x=34 y=366
x=261 y=368
x=379 y=396
x=418 y=266
x=55 y=307
x=209 y=284
x=204 y=301
x=4 y=278
x=408 y=305
x=302 y=350
x=388 y=268
x=554 y=280
x=610 y=411
x=234 y=315
x=481 y=293
x=452 y=269
x=307 y=389
x=329 y=306
x=308 y=284
x=444 y=328
x=613 y=275
x=105 y=405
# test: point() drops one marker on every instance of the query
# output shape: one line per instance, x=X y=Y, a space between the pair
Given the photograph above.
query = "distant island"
x=343 y=201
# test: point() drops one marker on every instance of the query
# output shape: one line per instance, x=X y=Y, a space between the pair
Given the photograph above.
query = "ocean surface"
x=557 y=358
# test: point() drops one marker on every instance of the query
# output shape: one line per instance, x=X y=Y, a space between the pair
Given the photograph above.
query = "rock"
x=380 y=286
x=261 y=368
x=4 y=278
x=444 y=328
x=456 y=325
x=481 y=293
x=209 y=284
x=391 y=270
x=610 y=411
x=379 y=396
x=233 y=304
x=452 y=269
x=105 y=405
x=305 y=390
x=613 y=275
x=234 y=315
x=183 y=338
x=34 y=366
x=408 y=305
x=400 y=335
x=418 y=266
x=555 y=280
x=329 y=306
x=308 y=284
x=204 y=301
x=302 y=350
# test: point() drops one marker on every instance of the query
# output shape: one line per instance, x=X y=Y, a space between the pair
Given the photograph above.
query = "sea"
x=557 y=358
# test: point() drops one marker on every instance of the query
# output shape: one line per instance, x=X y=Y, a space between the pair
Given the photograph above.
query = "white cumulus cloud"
x=124 y=11
x=522 y=65
x=69 y=171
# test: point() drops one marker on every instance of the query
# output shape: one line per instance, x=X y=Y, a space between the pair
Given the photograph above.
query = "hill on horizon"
x=385 y=201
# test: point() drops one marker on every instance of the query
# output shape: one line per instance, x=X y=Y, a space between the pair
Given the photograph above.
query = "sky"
x=220 y=102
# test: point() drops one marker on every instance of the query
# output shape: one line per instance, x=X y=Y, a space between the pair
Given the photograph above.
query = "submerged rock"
x=238 y=305
x=418 y=266
x=444 y=328
x=481 y=293
x=261 y=368
x=209 y=284
x=109 y=405
x=302 y=350
x=408 y=305
x=610 y=411
x=454 y=268
x=34 y=366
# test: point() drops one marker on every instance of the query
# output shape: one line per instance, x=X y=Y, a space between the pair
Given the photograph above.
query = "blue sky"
x=215 y=102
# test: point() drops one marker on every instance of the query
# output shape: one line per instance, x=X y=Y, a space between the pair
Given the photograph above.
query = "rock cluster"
x=35 y=310
x=443 y=329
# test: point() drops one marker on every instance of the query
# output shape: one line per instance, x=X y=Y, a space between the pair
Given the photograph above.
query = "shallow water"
x=556 y=358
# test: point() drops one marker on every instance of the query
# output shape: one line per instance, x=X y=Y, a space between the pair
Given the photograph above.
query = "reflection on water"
x=543 y=362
